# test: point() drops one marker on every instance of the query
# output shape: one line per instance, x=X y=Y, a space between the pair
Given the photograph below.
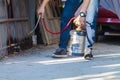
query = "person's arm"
x=41 y=9
x=85 y=5
x=81 y=20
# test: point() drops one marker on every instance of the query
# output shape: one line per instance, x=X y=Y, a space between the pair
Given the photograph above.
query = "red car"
x=107 y=23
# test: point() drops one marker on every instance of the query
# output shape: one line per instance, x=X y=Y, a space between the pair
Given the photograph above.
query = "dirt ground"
x=37 y=64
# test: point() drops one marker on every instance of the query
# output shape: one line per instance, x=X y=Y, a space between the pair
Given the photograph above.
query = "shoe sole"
x=88 y=58
x=60 y=56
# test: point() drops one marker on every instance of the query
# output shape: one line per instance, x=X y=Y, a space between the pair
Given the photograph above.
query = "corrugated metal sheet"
x=14 y=25
x=3 y=30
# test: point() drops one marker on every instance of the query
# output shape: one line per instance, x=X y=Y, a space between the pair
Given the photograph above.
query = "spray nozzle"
x=78 y=28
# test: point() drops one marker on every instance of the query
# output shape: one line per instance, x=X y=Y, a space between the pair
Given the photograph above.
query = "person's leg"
x=91 y=27
x=68 y=12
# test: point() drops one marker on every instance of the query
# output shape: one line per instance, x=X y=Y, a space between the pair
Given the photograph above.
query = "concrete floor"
x=37 y=64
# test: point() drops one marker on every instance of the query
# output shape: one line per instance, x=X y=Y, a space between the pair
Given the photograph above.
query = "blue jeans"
x=68 y=12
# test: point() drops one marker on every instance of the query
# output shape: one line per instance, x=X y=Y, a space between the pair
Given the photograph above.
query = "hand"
x=80 y=21
x=41 y=11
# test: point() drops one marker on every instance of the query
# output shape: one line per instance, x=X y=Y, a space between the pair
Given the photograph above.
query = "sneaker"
x=88 y=54
x=60 y=53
